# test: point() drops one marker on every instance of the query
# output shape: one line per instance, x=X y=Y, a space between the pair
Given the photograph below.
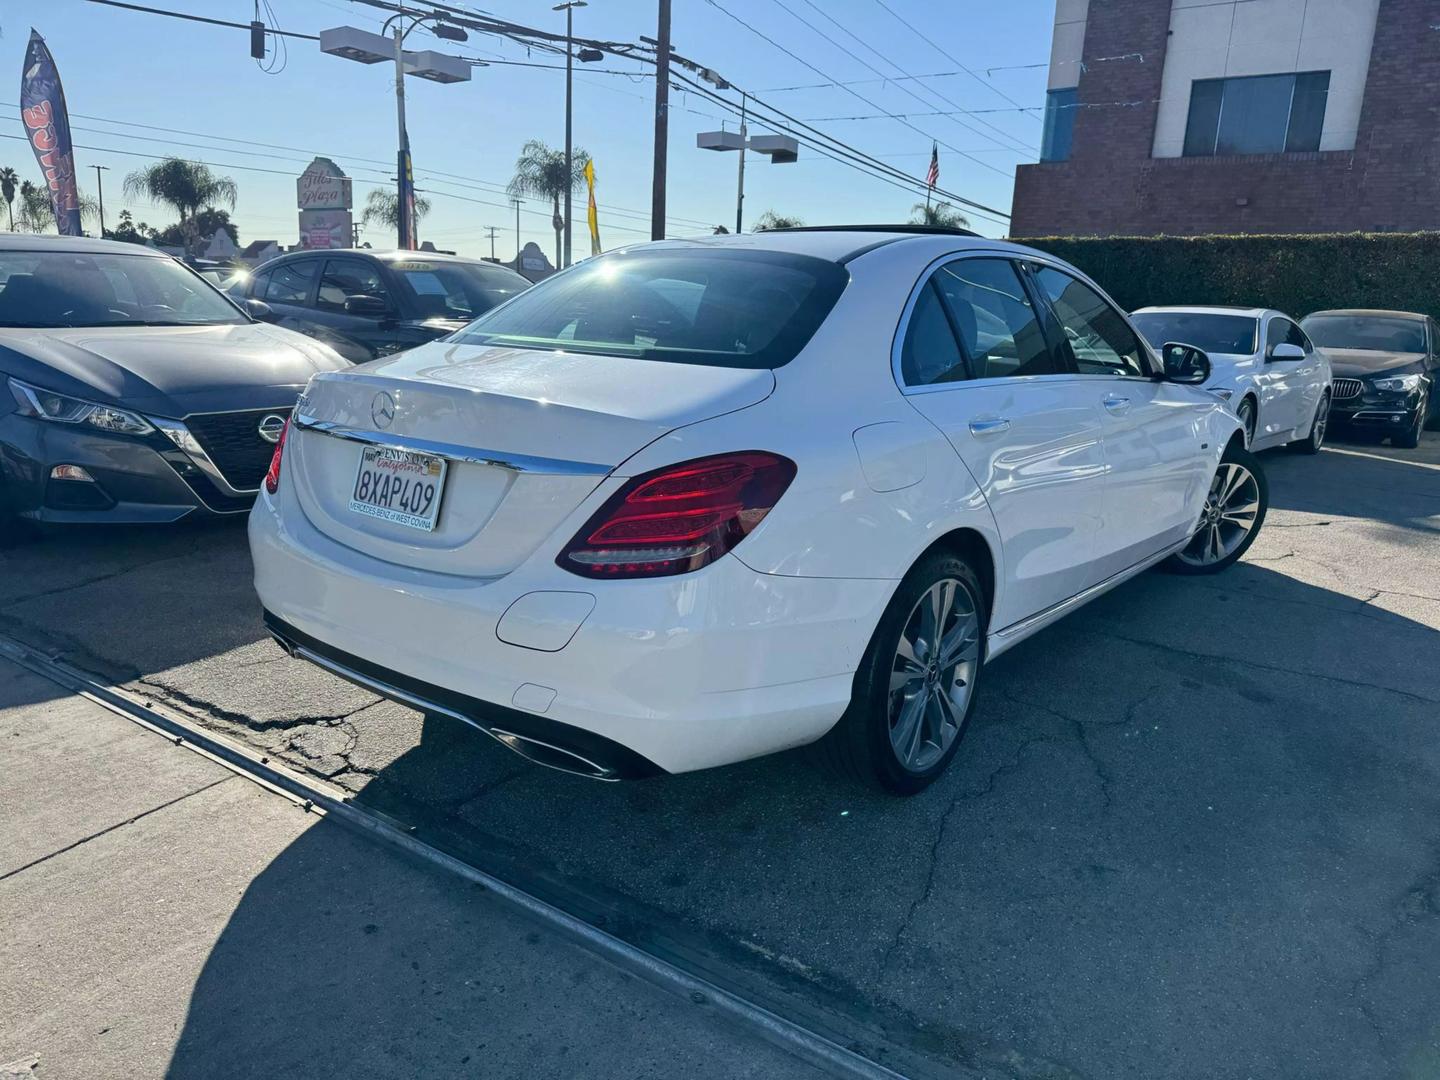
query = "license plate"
x=400 y=486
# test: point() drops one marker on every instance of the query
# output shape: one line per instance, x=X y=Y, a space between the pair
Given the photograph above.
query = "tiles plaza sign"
x=323 y=194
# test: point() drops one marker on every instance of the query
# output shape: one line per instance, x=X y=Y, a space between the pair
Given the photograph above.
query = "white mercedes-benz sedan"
x=1261 y=362
x=697 y=501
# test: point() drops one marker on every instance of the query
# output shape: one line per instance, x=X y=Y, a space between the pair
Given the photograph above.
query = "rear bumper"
x=635 y=677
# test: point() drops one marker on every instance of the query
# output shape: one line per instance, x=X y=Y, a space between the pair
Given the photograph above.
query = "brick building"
x=1240 y=116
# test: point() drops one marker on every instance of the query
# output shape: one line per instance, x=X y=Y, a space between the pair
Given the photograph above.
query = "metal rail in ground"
x=317 y=797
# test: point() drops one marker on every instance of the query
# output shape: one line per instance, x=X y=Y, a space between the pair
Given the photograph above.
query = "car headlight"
x=62 y=409
x=1224 y=393
x=1397 y=383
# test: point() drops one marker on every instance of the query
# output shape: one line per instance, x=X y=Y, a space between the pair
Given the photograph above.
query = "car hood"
x=1357 y=363
x=169 y=370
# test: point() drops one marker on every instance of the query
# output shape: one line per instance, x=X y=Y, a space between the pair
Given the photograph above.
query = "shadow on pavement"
x=1363 y=480
x=1168 y=849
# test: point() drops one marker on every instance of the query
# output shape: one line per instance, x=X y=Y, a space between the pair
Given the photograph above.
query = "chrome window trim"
x=1011 y=255
x=474 y=455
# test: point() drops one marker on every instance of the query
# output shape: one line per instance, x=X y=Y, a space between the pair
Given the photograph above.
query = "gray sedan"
x=132 y=391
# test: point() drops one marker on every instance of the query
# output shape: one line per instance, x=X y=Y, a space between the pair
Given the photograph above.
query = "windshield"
x=1202 y=329
x=452 y=290
x=49 y=289
x=725 y=308
x=1368 y=332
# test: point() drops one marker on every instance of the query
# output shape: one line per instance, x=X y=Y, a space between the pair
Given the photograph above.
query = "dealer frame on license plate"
x=400 y=486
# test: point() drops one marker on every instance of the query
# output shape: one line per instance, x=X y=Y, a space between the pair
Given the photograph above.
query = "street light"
x=780 y=149
x=569 y=10
x=352 y=43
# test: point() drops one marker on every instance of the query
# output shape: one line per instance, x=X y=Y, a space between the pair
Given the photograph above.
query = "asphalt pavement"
x=1193 y=832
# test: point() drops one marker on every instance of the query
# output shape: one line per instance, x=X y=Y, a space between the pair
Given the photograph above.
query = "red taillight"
x=679 y=518
x=272 y=478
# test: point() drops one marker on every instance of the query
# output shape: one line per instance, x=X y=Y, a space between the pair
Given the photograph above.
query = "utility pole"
x=662 y=122
x=405 y=225
x=491 y=230
x=100 y=194
x=569 y=9
x=518 y=203
x=740 y=184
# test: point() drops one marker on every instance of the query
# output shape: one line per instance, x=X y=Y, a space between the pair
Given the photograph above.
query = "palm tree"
x=382 y=207
x=9 y=181
x=188 y=186
x=540 y=174
x=37 y=210
x=939 y=213
x=771 y=220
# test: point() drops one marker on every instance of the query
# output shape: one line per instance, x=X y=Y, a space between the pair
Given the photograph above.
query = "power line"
x=929 y=90
x=854 y=93
x=199 y=18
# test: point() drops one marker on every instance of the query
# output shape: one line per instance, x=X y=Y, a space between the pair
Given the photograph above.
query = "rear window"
x=1204 y=330
x=1369 y=332
x=723 y=308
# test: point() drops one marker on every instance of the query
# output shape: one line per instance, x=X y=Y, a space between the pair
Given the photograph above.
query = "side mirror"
x=1287 y=351
x=1185 y=364
x=259 y=309
x=371 y=307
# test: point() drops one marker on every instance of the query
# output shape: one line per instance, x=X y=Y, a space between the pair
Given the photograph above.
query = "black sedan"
x=367 y=304
x=1386 y=368
x=132 y=391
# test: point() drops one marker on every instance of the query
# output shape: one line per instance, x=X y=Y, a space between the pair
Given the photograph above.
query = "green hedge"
x=1294 y=274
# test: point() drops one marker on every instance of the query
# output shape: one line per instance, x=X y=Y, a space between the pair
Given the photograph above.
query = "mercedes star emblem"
x=382 y=409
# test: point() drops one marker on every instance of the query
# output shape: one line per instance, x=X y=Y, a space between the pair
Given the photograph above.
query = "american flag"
x=933 y=176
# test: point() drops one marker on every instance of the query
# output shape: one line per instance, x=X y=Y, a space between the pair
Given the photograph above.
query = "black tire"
x=859 y=746
x=1186 y=561
x=1410 y=438
x=1314 y=442
x=1246 y=411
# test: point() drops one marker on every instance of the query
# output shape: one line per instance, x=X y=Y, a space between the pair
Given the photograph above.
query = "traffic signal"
x=257 y=40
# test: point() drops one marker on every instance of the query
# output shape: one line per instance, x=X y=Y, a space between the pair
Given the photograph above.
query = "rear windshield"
x=1204 y=330
x=723 y=308
x=1369 y=332
x=453 y=290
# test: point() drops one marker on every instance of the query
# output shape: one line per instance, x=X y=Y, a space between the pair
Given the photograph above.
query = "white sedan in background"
x=696 y=501
x=1261 y=362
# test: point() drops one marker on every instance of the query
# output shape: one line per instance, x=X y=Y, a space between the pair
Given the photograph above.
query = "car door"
x=1283 y=384
x=356 y=335
x=974 y=360
x=1151 y=429
x=1310 y=376
x=289 y=289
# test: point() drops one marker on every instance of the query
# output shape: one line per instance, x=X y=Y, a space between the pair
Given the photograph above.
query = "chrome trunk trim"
x=520 y=463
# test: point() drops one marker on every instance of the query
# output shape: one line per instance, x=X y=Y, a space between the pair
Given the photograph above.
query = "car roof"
x=79 y=245
x=1376 y=312
x=838 y=243
x=1209 y=309
x=388 y=256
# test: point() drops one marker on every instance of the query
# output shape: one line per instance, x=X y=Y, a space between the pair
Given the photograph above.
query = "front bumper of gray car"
x=76 y=474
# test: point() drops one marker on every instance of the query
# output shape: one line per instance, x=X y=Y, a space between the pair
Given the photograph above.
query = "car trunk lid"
x=526 y=437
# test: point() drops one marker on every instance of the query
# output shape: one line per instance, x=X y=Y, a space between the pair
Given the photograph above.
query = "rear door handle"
x=1117 y=404
x=990 y=425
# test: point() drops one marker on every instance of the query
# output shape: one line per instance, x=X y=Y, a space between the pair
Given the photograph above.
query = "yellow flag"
x=591 y=214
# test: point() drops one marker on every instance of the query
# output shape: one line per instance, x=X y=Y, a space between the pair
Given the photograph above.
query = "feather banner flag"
x=47 y=126
x=591 y=212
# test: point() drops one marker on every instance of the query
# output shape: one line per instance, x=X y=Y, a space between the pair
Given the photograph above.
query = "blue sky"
x=192 y=83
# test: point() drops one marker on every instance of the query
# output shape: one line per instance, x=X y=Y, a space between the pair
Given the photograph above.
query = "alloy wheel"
x=1246 y=416
x=932 y=674
x=1322 y=421
x=1231 y=510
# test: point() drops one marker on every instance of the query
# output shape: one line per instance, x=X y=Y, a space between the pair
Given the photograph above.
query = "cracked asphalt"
x=1194 y=830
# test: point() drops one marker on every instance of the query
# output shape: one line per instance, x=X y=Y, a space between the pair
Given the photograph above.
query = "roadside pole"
x=662 y=122
x=405 y=236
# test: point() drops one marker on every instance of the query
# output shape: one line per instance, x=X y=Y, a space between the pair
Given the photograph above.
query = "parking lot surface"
x=1193 y=832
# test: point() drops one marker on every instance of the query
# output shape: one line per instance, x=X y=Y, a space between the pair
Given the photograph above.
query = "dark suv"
x=1386 y=368
x=366 y=304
